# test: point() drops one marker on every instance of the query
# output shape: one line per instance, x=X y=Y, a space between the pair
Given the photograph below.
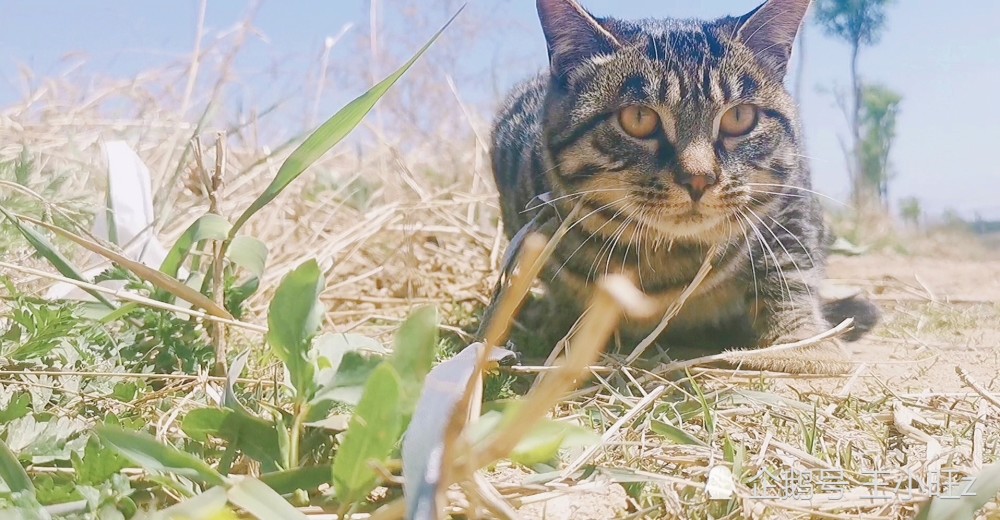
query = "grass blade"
x=153 y=276
x=152 y=455
x=261 y=501
x=329 y=134
x=305 y=477
x=12 y=473
x=674 y=434
x=49 y=252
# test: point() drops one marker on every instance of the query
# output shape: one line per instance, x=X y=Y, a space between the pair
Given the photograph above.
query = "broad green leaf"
x=208 y=227
x=965 y=497
x=235 y=296
x=153 y=276
x=12 y=473
x=371 y=436
x=261 y=501
x=542 y=443
x=253 y=436
x=47 y=251
x=203 y=423
x=674 y=434
x=347 y=385
x=329 y=349
x=329 y=134
x=97 y=464
x=292 y=320
x=210 y=505
x=413 y=353
x=152 y=455
x=125 y=391
x=304 y=477
x=357 y=354
x=248 y=253
x=547 y=438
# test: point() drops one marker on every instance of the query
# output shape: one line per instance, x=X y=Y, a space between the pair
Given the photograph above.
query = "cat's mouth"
x=696 y=211
x=694 y=220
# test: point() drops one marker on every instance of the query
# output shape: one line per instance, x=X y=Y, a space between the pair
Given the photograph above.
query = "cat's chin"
x=692 y=226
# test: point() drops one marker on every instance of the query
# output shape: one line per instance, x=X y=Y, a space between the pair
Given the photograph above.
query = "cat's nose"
x=696 y=185
x=697 y=168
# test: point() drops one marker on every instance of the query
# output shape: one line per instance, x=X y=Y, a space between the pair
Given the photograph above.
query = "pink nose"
x=696 y=185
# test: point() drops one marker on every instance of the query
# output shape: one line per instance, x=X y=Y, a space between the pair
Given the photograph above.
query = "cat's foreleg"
x=788 y=311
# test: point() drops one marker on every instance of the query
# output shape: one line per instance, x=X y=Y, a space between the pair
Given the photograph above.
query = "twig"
x=195 y=57
x=971 y=383
x=216 y=329
x=978 y=435
x=132 y=375
x=675 y=306
x=612 y=432
x=836 y=331
x=324 y=62
x=614 y=295
x=744 y=354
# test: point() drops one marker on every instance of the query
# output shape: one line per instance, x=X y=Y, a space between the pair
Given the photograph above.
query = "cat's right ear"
x=572 y=34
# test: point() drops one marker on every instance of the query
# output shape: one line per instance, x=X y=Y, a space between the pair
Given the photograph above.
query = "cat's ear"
x=572 y=34
x=770 y=29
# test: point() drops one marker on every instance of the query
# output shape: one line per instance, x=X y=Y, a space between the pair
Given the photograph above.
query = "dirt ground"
x=938 y=314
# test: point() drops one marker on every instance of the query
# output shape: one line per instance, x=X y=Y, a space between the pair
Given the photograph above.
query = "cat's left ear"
x=770 y=29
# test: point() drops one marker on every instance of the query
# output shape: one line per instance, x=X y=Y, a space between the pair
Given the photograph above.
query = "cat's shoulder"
x=522 y=107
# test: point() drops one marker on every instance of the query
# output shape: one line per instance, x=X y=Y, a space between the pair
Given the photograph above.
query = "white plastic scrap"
x=423 y=443
x=130 y=202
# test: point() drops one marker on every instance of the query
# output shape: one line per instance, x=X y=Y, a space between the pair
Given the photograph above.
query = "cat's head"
x=684 y=125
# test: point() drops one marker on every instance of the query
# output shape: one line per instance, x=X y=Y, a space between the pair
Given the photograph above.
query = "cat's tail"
x=865 y=313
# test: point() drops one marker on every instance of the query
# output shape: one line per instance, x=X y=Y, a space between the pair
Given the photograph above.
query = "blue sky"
x=943 y=57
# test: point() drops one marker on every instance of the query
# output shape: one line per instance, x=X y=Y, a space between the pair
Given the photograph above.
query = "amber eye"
x=739 y=120
x=638 y=121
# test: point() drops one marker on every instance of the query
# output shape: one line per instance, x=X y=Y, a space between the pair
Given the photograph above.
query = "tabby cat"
x=669 y=137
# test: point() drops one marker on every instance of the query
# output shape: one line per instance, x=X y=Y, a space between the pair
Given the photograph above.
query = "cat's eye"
x=738 y=121
x=638 y=121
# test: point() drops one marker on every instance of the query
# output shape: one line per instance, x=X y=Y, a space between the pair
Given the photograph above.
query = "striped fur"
x=557 y=134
